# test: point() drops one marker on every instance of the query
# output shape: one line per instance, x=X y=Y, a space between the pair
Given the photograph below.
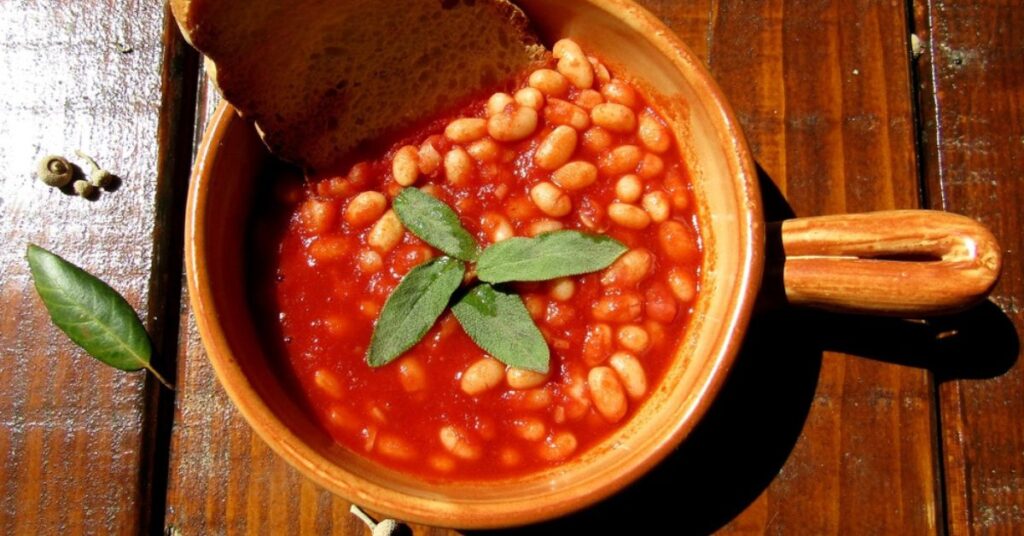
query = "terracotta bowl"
x=636 y=45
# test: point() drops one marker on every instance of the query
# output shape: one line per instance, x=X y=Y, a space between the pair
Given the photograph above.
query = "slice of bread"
x=322 y=77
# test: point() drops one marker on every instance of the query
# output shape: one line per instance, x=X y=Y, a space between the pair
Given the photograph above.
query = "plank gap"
x=179 y=79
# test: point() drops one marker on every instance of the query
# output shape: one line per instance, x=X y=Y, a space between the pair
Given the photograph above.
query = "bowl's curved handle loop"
x=901 y=262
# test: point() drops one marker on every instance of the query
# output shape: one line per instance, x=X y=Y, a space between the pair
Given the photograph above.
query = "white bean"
x=386 y=233
x=466 y=129
x=629 y=188
x=562 y=289
x=441 y=464
x=530 y=97
x=629 y=269
x=682 y=285
x=575 y=175
x=551 y=200
x=457 y=441
x=530 y=428
x=597 y=344
x=394 y=447
x=497 y=227
x=365 y=208
x=484 y=150
x=510 y=457
x=597 y=140
x=658 y=206
x=624 y=307
x=619 y=92
x=481 y=376
x=588 y=98
x=411 y=374
x=651 y=166
x=429 y=158
x=622 y=159
x=328 y=383
x=676 y=241
x=543 y=225
x=565 y=46
x=518 y=378
x=560 y=112
x=458 y=166
x=630 y=372
x=558 y=446
x=600 y=71
x=513 y=124
x=330 y=248
x=575 y=67
x=633 y=338
x=653 y=135
x=405 y=167
x=557 y=147
x=607 y=393
x=318 y=215
x=549 y=82
x=614 y=117
x=498 y=102
x=628 y=216
x=369 y=261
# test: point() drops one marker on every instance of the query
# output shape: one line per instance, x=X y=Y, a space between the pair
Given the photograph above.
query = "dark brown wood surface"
x=79 y=440
x=828 y=424
x=972 y=91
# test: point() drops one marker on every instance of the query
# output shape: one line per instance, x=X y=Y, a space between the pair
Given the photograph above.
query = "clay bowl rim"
x=298 y=454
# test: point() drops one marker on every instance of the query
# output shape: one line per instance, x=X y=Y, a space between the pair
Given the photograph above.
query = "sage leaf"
x=92 y=314
x=413 y=307
x=499 y=323
x=547 y=256
x=435 y=223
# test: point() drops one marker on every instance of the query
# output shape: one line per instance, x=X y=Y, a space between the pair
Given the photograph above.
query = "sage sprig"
x=92 y=314
x=547 y=256
x=498 y=322
x=435 y=223
x=413 y=307
x=494 y=317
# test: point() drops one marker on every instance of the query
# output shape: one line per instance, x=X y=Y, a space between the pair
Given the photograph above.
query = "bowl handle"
x=900 y=262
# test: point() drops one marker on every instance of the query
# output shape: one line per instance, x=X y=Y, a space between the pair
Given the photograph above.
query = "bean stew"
x=572 y=147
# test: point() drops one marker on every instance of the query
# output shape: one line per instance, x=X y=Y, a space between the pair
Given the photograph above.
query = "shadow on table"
x=747 y=435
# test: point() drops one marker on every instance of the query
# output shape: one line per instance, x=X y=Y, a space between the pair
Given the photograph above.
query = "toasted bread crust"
x=321 y=77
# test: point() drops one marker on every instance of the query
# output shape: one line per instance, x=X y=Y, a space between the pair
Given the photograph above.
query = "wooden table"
x=829 y=423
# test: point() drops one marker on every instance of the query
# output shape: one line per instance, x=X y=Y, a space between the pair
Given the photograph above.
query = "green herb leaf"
x=91 y=313
x=547 y=256
x=412 y=308
x=499 y=323
x=435 y=223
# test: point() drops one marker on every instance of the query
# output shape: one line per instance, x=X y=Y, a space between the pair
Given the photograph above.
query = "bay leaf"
x=92 y=314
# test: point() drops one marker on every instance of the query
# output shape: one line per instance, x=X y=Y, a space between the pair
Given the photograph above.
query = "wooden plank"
x=828 y=111
x=971 y=107
x=79 y=440
x=823 y=92
x=225 y=480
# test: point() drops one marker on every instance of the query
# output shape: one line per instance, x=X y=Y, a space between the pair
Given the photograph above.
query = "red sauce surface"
x=319 y=288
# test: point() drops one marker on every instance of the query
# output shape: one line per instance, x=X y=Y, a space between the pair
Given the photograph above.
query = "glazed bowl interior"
x=634 y=45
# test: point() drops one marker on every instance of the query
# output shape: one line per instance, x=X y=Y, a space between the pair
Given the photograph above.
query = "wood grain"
x=75 y=435
x=971 y=104
x=823 y=92
x=804 y=440
x=223 y=479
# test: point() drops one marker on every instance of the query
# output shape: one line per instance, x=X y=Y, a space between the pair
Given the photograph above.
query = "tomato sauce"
x=324 y=272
